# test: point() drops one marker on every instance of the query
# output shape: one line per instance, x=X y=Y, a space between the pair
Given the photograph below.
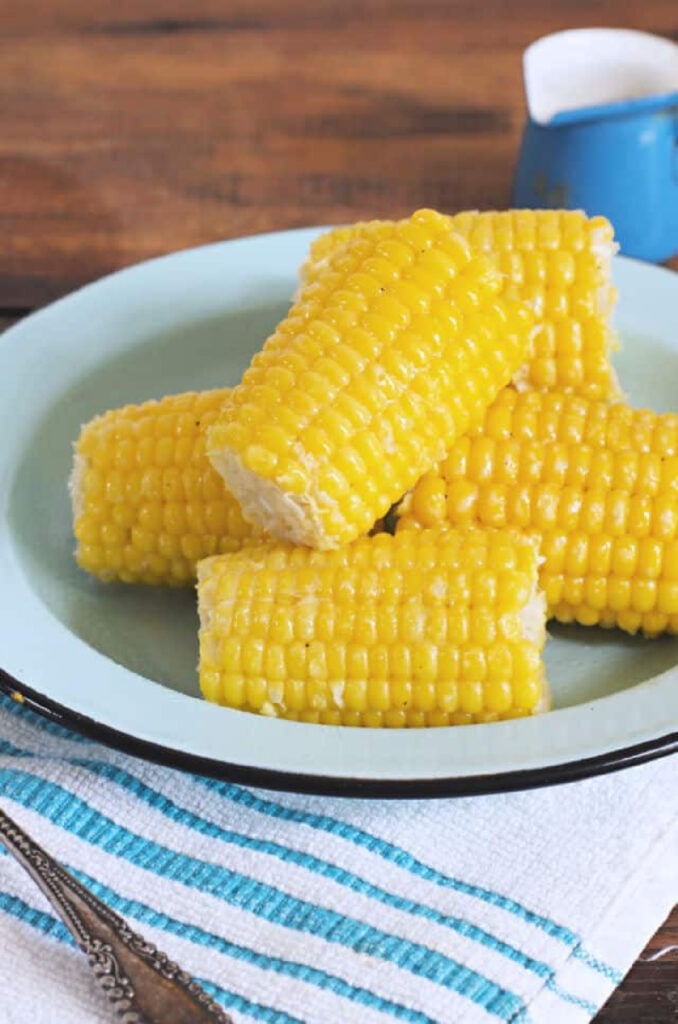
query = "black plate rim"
x=352 y=787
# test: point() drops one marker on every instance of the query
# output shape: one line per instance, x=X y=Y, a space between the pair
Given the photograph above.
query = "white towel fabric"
x=523 y=907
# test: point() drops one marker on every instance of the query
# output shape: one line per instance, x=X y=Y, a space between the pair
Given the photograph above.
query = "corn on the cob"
x=555 y=260
x=597 y=484
x=147 y=504
x=424 y=628
x=325 y=248
x=380 y=365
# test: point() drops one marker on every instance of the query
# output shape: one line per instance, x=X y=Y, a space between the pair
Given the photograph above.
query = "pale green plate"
x=119 y=662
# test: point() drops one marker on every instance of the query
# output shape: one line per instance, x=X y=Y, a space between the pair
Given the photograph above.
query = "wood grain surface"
x=132 y=129
x=139 y=127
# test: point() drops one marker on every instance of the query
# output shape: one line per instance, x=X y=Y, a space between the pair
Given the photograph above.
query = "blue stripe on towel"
x=567 y=997
x=38 y=919
x=131 y=784
x=302 y=972
x=271 y=904
x=402 y=859
x=359 y=837
x=47 y=725
x=132 y=908
x=52 y=927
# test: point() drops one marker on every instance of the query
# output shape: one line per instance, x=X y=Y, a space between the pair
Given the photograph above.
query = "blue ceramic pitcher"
x=602 y=133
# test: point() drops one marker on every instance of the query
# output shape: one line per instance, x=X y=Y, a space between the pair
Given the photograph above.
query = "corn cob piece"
x=147 y=504
x=378 y=367
x=557 y=261
x=330 y=244
x=597 y=484
x=421 y=629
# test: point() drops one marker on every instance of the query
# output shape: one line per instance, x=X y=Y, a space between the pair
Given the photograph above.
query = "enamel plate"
x=118 y=663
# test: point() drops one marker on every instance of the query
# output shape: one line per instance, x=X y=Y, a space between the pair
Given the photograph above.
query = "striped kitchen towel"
x=523 y=907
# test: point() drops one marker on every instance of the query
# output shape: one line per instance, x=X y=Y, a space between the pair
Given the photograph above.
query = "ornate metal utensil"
x=141 y=983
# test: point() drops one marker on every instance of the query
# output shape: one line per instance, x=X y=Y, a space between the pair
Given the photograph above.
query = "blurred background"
x=135 y=128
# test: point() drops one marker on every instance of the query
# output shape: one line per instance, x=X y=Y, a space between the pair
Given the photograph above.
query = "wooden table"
x=139 y=127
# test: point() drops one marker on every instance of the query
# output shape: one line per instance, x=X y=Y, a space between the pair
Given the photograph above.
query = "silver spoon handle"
x=141 y=983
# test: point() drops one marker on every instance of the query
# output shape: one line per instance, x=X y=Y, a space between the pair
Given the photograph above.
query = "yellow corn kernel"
x=457 y=630
x=596 y=484
x=557 y=261
x=147 y=504
x=432 y=347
